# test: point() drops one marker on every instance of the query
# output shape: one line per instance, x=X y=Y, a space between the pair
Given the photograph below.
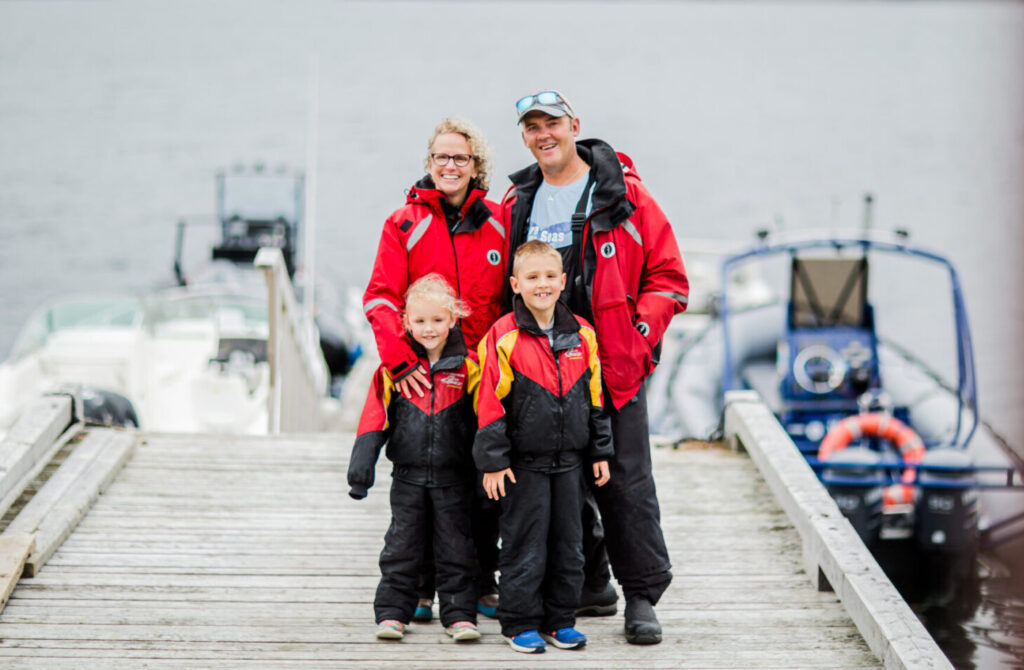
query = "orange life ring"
x=879 y=424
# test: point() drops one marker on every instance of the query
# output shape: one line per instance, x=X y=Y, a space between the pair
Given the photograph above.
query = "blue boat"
x=884 y=409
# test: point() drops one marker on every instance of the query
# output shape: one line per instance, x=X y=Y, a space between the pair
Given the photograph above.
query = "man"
x=625 y=275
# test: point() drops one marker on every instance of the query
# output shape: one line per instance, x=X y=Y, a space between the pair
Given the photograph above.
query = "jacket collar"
x=452 y=356
x=473 y=213
x=610 y=206
x=565 y=334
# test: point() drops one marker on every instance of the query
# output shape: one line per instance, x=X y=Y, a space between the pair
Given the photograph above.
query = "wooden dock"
x=229 y=552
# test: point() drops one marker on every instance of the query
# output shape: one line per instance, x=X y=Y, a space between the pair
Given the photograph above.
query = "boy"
x=541 y=415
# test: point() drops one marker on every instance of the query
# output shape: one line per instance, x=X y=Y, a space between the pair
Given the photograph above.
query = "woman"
x=446 y=226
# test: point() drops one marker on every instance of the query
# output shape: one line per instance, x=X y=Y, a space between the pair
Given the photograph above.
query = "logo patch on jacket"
x=493 y=257
x=454 y=379
x=575 y=352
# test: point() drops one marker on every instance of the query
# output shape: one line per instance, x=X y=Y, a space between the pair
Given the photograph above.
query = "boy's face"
x=540 y=281
x=429 y=323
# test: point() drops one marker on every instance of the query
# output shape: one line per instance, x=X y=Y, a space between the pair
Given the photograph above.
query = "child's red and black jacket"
x=429 y=439
x=539 y=404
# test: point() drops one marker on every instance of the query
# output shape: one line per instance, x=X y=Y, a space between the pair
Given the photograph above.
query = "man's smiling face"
x=551 y=139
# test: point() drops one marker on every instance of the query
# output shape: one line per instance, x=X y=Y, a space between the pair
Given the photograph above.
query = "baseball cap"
x=549 y=102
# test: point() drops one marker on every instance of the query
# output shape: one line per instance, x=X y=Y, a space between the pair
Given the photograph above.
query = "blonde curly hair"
x=477 y=145
x=435 y=288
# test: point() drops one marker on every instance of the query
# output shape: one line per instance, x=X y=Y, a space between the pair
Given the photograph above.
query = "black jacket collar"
x=473 y=213
x=565 y=334
x=453 y=354
x=610 y=206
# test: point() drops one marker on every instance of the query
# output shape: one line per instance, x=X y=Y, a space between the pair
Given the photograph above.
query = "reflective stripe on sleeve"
x=378 y=301
x=633 y=232
x=679 y=297
x=418 y=231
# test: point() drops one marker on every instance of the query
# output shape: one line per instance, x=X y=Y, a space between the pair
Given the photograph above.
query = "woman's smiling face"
x=449 y=178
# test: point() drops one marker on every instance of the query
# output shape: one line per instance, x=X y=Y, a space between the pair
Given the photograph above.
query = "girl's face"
x=429 y=323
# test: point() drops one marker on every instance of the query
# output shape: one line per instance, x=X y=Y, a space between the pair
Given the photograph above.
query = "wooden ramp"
x=227 y=552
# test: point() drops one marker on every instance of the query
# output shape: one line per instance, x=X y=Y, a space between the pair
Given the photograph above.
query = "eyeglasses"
x=543 y=98
x=461 y=160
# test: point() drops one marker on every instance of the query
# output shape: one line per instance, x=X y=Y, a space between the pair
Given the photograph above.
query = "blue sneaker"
x=528 y=642
x=566 y=638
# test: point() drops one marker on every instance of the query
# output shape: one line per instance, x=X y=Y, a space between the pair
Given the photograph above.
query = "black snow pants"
x=541 y=558
x=630 y=515
x=415 y=510
x=484 y=524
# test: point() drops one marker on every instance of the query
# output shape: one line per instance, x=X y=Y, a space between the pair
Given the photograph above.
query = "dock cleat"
x=565 y=638
x=528 y=642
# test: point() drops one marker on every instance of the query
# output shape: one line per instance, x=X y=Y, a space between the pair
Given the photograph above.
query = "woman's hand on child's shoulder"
x=416 y=382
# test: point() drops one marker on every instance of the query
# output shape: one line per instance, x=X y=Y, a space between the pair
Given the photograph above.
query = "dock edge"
x=833 y=554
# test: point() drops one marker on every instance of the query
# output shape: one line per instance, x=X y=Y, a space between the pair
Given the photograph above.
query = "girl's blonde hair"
x=477 y=145
x=436 y=288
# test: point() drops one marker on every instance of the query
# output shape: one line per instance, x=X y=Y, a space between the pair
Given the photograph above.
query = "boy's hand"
x=601 y=473
x=416 y=382
x=494 y=482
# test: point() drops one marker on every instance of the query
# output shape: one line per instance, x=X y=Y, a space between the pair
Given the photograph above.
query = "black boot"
x=642 y=625
x=599 y=602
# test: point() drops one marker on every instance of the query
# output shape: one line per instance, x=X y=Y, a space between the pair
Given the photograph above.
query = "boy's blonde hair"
x=534 y=248
x=436 y=288
x=477 y=145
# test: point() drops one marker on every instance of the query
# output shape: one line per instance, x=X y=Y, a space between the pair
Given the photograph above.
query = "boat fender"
x=106 y=408
x=885 y=426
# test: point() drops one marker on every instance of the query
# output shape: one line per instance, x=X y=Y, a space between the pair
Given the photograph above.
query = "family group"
x=515 y=338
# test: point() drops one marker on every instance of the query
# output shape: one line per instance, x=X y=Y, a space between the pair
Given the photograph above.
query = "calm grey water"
x=114 y=117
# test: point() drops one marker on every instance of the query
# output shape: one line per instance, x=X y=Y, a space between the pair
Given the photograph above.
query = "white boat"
x=228 y=350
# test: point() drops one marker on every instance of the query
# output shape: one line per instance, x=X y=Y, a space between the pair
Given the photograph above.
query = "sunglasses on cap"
x=542 y=100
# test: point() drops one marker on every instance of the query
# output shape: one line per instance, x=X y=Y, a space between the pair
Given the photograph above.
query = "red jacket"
x=539 y=403
x=632 y=270
x=416 y=241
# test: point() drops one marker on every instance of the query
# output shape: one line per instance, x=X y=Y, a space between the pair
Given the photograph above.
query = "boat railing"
x=298 y=373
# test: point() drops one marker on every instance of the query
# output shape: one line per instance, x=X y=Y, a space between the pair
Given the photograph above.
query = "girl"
x=429 y=440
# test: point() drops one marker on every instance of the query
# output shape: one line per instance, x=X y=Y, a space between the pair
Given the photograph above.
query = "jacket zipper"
x=561 y=408
x=430 y=437
x=455 y=258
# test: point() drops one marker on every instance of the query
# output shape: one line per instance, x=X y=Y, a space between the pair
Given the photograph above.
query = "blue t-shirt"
x=551 y=215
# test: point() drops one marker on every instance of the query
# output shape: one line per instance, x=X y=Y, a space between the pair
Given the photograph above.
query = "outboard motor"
x=857 y=489
x=948 y=514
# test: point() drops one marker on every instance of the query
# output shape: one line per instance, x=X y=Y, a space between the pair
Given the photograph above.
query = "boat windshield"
x=186 y=314
x=76 y=313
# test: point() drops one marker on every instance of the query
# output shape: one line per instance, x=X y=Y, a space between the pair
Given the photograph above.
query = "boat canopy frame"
x=965 y=389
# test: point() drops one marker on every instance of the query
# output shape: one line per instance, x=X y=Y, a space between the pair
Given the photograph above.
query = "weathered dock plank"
x=57 y=507
x=247 y=552
x=14 y=551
